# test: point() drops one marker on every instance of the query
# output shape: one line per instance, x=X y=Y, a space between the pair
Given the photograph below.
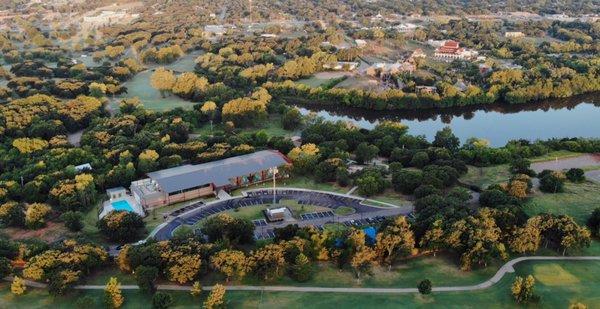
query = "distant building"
x=188 y=181
x=451 y=50
x=215 y=30
x=514 y=34
x=341 y=65
x=436 y=43
x=360 y=43
x=83 y=167
x=407 y=27
x=418 y=53
x=426 y=89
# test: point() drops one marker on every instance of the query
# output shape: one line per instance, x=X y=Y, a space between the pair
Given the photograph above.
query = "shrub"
x=576 y=175
x=162 y=300
x=424 y=287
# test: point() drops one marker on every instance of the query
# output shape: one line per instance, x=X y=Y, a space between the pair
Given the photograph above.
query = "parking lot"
x=364 y=215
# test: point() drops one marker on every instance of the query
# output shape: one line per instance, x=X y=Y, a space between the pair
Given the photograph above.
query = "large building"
x=451 y=50
x=188 y=181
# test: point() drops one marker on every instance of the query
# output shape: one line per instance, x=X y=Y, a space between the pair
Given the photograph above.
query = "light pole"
x=274 y=171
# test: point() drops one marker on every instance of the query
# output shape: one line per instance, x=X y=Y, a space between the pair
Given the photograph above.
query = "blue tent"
x=370 y=233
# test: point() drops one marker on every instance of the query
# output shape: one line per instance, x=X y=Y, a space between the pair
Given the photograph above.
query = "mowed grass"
x=553 y=293
x=344 y=211
x=553 y=155
x=578 y=201
x=483 y=177
x=272 y=126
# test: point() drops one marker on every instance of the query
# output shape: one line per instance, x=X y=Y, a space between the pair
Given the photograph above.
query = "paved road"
x=506 y=268
x=582 y=161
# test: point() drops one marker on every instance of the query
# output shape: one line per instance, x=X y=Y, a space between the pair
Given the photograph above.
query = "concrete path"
x=506 y=268
x=352 y=190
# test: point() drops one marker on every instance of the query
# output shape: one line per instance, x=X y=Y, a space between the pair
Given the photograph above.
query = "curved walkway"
x=506 y=268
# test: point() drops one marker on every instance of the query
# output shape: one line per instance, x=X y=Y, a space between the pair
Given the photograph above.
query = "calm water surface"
x=575 y=117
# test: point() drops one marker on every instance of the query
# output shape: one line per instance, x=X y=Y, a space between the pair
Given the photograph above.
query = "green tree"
x=292 y=119
x=73 y=220
x=365 y=152
x=445 y=138
x=302 y=270
x=145 y=277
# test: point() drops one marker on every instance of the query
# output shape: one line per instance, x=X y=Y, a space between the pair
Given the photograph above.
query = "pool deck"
x=108 y=207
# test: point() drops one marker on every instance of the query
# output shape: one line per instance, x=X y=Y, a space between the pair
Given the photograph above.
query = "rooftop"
x=218 y=173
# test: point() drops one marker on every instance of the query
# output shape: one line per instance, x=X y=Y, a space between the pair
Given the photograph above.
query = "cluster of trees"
x=63 y=264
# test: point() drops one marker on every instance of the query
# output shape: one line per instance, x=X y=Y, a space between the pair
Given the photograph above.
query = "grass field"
x=392 y=197
x=578 y=201
x=489 y=175
x=271 y=126
x=483 y=177
x=344 y=211
x=579 y=282
x=560 y=154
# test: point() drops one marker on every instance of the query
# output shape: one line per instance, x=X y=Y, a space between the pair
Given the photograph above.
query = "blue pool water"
x=122 y=205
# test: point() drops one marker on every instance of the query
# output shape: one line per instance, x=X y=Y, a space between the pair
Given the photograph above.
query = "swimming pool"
x=122 y=205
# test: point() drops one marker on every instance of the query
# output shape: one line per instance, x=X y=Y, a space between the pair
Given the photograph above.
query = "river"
x=573 y=117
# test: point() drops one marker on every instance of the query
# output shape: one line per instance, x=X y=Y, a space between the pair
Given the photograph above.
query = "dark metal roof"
x=217 y=172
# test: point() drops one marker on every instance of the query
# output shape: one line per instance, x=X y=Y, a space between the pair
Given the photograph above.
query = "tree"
x=35 y=215
x=5 y=267
x=73 y=220
x=365 y=152
x=593 y=222
x=576 y=175
x=145 y=277
x=434 y=237
x=395 y=241
x=18 y=286
x=112 y=293
x=371 y=182
x=162 y=300
x=521 y=166
x=302 y=270
x=147 y=161
x=292 y=119
x=225 y=227
x=216 y=298
x=121 y=226
x=420 y=159
x=162 y=80
x=232 y=263
x=196 y=289
x=445 y=138
x=304 y=158
x=522 y=289
x=97 y=90
x=552 y=181
x=209 y=108
x=424 y=287
x=577 y=306
x=406 y=181
x=268 y=261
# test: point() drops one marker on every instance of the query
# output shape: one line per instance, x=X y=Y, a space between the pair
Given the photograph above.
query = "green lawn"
x=486 y=176
x=578 y=281
x=390 y=196
x=578 y=201
x=271 y=126
x=313 y=81
x=553 y=155
x=489 y=175
x=344 y=211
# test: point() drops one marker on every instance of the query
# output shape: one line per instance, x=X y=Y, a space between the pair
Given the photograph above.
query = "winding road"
x=506 y=268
